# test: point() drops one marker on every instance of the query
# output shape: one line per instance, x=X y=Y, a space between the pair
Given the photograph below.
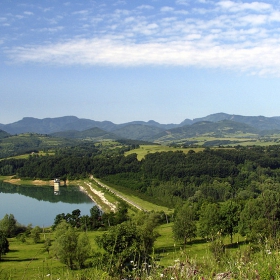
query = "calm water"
x=38 y=205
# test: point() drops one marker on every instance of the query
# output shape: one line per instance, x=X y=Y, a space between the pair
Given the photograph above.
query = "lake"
x=38 y=205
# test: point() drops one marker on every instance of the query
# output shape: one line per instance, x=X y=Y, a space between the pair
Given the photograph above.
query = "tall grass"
x=169 y=261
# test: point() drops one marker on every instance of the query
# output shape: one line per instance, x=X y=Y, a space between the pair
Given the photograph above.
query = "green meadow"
x=117 y=192
x=143 y=150
x=27 y=260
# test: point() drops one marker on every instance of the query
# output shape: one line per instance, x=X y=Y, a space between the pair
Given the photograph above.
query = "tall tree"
x=209 y=221
x=68 y=247
x=230 y=215
x=65 y=244
x=83 y=250
x=260 y=217
x=4 y=244
x=95 y=217
x=184 y=227
x=35 y=234
x=126 y=243
x=8 y=225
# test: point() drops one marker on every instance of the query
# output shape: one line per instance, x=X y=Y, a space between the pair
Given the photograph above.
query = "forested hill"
x=139 y=132
x=4 y=134
x=259 y=122
x=94 y=133
x=51 y=125
x=27 y=143
x=216 y=129
x=164 y=177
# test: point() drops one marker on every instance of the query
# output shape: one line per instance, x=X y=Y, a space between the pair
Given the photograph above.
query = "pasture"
x=143 y=150
x=27 y=260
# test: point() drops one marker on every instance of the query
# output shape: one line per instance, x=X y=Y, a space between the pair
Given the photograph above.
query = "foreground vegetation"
x=215 y=211
x=29 y=260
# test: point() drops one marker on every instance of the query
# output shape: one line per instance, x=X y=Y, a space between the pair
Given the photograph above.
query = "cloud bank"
x=226 y=34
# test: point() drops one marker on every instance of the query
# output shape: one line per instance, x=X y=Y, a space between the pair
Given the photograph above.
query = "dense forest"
x=163 y=177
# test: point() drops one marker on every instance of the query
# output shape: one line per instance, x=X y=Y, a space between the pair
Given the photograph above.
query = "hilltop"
x=214 y=125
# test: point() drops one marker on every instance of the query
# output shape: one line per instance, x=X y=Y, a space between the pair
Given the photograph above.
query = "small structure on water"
x=56 y=185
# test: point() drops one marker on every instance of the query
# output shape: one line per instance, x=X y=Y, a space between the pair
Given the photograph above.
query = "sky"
x=128 y=60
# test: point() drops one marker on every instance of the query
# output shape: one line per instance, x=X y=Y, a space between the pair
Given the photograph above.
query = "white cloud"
x=167 y=9
x=120 y=2
x=49 y=29
x=28 y=13
x=119 y=12
x=181 y=12
x=47 y=9
x=147 y=7
x=239 y=6
x=193 y=51
x=254 y=19
x=82 y=12
x=19 y=16
x=182 y=2
x=224 y=34
x=274 y=16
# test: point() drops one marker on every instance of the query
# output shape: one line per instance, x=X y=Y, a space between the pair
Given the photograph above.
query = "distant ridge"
x=214 y=129
x=259 y=122
x=52 y=125
x=139 y=130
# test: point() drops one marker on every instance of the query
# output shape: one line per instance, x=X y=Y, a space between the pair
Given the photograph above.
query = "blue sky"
x=139 y=60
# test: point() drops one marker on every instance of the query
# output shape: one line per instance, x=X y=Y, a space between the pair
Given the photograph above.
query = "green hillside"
x=94 y=134
x=138 y=131
x=3 y=134
x=224 y=128
x=29 y=142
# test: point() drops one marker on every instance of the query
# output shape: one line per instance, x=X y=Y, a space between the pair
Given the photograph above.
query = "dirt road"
x=116 y=193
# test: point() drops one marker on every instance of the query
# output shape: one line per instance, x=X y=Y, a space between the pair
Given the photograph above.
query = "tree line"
x=164 y=177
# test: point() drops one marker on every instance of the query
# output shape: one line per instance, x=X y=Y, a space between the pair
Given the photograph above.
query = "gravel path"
x=116 y=193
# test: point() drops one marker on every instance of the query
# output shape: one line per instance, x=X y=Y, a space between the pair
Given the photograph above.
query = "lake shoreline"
x=18 y=181
x=100 y=195
x=39 y=205
x=96 y=196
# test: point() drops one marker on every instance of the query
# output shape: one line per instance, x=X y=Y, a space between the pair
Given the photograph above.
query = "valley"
x=205 y=195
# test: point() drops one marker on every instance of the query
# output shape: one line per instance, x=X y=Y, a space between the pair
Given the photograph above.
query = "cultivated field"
x=143 y=150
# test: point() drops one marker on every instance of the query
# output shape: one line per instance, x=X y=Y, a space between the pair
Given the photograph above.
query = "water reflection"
x=39 y=205
x=69 y=194
x=56 y=186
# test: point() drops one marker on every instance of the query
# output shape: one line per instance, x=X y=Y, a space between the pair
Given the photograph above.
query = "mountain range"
x=215 y=124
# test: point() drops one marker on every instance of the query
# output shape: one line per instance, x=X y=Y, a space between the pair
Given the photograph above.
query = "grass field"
x=30 y=261
x=17 y=181
x=26 y=156
x=167 y=250
x=143 y=150
x=125 y=195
